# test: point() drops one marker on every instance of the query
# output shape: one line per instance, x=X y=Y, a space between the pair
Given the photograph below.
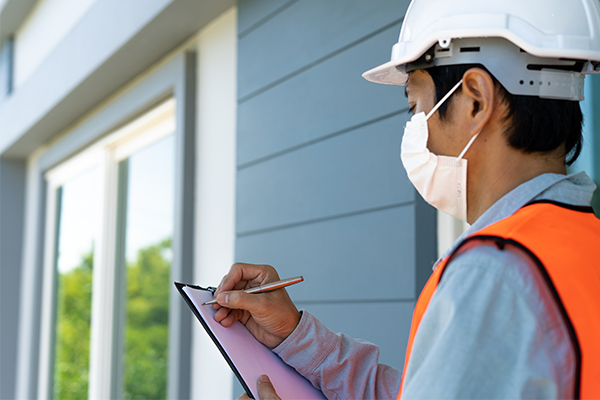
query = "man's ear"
x=480 y=91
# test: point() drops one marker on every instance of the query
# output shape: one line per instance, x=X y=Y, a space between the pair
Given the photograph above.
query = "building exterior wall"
x=321 y=190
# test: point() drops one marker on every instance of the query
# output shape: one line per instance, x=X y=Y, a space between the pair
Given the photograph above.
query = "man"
x=512 y=310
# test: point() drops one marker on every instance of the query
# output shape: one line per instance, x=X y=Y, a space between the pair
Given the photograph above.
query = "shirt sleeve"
x=491 y=330
x=339 y=366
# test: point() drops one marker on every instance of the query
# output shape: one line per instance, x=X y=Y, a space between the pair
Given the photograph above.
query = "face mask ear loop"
x=439 y=104
x=468 y=145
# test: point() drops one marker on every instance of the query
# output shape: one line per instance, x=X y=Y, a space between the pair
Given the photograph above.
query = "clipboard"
x=246 y=356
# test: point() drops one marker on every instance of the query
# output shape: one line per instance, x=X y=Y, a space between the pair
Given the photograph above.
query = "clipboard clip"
x=211 y=289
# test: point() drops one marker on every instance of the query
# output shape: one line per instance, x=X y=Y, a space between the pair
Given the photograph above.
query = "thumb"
x=239 y=300
x=266 y=391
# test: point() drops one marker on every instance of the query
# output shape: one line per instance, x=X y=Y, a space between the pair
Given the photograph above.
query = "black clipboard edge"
x=192 y=306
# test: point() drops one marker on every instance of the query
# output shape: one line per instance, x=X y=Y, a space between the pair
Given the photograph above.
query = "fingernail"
x=264 y=379
x=223 y=298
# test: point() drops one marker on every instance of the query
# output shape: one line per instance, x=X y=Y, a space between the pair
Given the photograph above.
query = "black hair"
x=535 y=125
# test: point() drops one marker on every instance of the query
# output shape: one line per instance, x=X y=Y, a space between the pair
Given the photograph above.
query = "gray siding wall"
x=12 y=195
x=321 y=190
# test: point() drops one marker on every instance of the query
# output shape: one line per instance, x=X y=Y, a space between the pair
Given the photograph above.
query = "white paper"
x=251 y=357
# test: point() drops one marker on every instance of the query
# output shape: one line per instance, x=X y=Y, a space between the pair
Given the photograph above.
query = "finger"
x=266 y=391
x=243 y=275
x=221 y=314
x=244 y=397
x=226 y=316
x=233 y=316
x=238 y=276
x=238 y=300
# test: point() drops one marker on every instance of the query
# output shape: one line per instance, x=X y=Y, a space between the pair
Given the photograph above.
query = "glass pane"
x=78 y=207
x=149 y=226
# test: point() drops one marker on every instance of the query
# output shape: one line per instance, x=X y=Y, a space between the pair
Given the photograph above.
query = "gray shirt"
x=491 y=330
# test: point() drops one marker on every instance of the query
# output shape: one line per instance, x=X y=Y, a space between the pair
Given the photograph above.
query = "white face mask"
x=441 y=180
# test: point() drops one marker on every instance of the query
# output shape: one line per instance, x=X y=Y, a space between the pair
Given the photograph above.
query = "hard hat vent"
x=469 y=49
x=528 y=75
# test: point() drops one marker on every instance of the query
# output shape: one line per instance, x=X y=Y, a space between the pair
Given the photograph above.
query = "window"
x=6 y=68
x=107 y=264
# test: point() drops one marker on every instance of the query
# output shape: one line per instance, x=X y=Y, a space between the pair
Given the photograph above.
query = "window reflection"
x=149 y=224
x=77 y=207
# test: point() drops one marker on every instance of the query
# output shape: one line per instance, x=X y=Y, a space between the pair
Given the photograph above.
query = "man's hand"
x=270 y=317
x=265 y=390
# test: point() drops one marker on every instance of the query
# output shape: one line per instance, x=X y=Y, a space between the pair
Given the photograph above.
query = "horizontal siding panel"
x=367 y=256
x=250 y=12
x=385 y=324
x=307 y=31
x=358 y=170
x=330 y=97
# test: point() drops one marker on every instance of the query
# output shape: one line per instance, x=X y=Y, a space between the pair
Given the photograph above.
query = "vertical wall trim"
x=119 y=311
x=215 y=188
x=593 y=141
x=180 y=319
x=12 y=192
x=425 y=241
x=31 y=281
x=48 y=292
x=589 y=158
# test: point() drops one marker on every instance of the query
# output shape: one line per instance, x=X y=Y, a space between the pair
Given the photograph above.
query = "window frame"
x=205 y=87
x=173 y=78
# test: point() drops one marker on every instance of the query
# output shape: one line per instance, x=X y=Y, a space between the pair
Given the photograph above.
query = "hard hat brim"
x=390 y=73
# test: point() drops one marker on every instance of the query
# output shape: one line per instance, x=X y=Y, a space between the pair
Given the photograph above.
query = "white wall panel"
x=215 y=189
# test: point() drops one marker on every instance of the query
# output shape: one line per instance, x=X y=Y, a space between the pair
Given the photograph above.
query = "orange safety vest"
x=564 y=242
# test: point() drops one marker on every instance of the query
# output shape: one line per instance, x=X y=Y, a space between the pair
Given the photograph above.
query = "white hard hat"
x=533 y=47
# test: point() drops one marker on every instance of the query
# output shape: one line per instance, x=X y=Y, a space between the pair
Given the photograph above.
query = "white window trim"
x=215 y=189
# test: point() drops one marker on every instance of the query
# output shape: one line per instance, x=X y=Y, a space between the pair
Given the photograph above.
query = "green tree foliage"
x=146 y=332
x=72 y=344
